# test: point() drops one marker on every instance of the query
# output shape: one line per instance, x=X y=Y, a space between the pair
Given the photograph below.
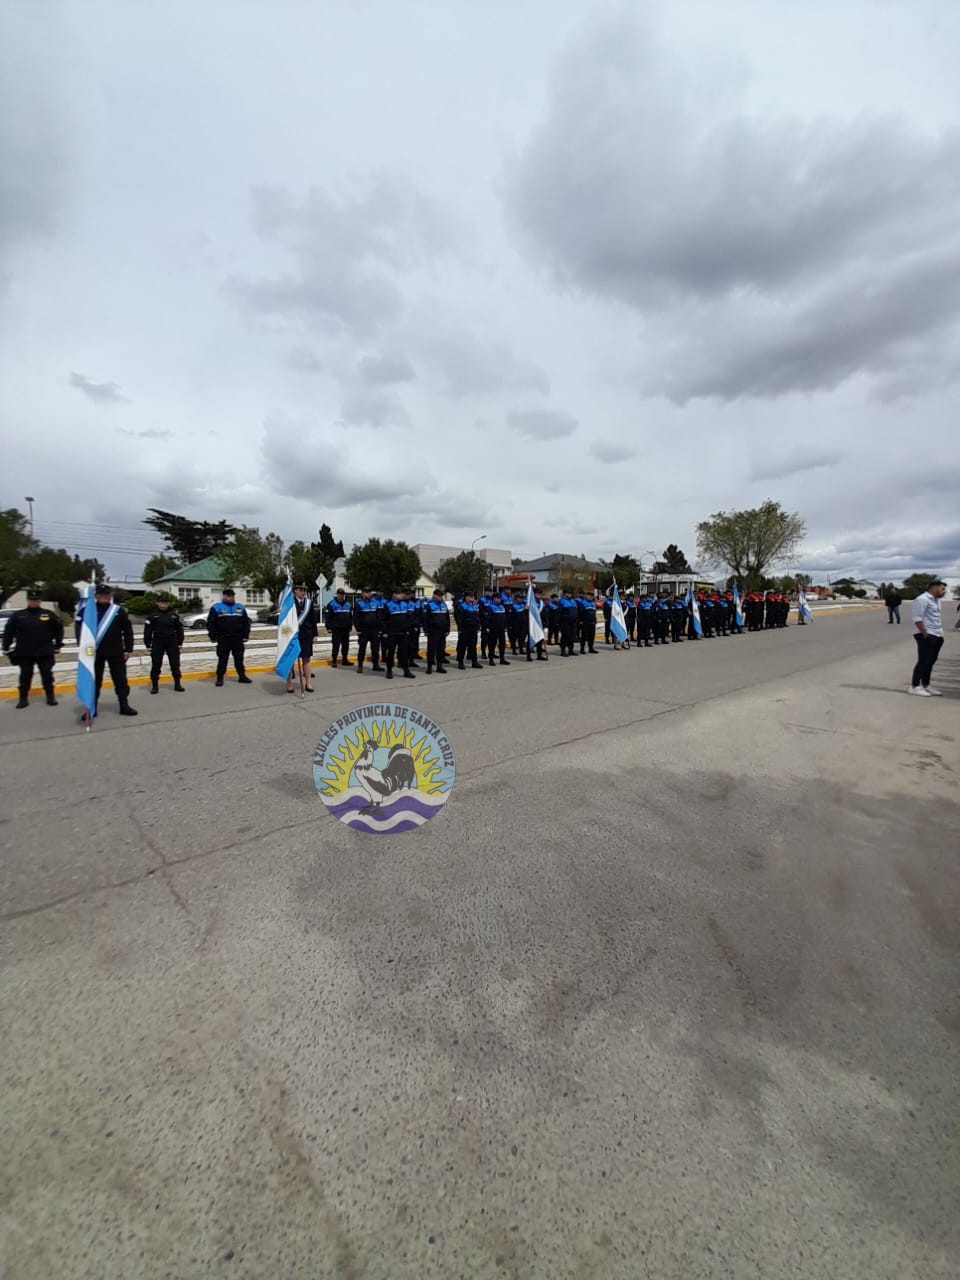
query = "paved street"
x=671 y=988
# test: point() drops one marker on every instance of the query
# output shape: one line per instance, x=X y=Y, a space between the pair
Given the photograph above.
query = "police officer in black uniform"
x=436 y=622
x=366 y=619
x=35 y=635
x=163 y=635
x=338 y=619
x=228 y=626
x=114 y=647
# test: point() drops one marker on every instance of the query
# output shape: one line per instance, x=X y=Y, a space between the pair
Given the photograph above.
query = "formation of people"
x=391 y=631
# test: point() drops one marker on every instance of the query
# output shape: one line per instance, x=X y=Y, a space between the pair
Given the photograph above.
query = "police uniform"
x=569 y=616
x=366 y=619
x=397 y=620
x=35 y=635
x=497 y=637
x=483 y=605
x=338 y=618
x=520 y=625
x=552 y=620
x=678 y=619
x=113 y=640
x=308 y=629
x=163 y=636
x=645 y=620
x=467 y=614
x=630 y=617
x=228 y=626
x=436 y=622
x=587 y=621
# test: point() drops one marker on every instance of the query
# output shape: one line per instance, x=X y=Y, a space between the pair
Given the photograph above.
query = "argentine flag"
x=694 y=607
x=288 y=633
x=803 y=608
x=533 y=618
x=86 y=653
x=737 y=605
x=618 y=624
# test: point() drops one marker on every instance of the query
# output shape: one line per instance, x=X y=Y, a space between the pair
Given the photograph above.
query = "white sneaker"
x=934 y=693
x=920 y=691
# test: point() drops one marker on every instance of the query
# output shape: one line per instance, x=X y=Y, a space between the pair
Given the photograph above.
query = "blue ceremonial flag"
x=694 y=607
x=737 y=605
x=803 y=608
x=533 y=618
x=86 y=653
x=618 y=624
x=288 y=633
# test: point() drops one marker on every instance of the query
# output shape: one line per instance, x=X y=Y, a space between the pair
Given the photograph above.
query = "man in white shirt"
x=928 y=629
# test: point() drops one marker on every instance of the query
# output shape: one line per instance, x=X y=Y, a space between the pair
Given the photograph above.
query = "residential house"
x=203 y=581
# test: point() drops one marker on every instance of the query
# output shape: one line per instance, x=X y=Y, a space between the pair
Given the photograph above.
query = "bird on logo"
x=399 y=772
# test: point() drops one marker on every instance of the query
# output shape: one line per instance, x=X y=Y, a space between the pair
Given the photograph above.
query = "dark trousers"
x=588 y=636
x=568 y=635
x=552 y=627
x=118 y=674
x=370 y=638
x=398 y=650
x=644 y=627
x=44 y=666
x=231 y=647
x=436 y=648
x=157 y=651
x=340 y=643
x=928 y=649
x=497 y=640
x=466 y=645
x=893 y=611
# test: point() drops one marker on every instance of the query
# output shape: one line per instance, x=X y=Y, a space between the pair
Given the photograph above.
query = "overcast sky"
x=568 y=274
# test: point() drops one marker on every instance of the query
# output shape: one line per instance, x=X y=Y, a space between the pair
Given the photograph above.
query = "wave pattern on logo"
x=401 y=812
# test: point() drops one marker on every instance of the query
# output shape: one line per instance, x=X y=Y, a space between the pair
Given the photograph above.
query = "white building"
x=433 y=554
x=203 y=581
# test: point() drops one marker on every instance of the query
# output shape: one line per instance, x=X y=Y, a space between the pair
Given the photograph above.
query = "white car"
x=195 y=621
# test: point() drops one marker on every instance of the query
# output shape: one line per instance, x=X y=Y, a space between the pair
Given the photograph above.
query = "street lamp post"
x=29 y=502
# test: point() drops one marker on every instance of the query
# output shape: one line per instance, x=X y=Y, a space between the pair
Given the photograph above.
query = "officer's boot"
x=461 y=667
x=51 y=699
x=154 y=687
x=178 y=685
x=24 y=702
x=126 y=709
x=408 y=674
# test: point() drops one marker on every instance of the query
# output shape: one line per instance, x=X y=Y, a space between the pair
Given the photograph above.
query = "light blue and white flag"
x=618 y=624
x=694 y=606
x=535 y=628
x=737 y=605
x=288 y=633
x=803 y=609
x=86 y=654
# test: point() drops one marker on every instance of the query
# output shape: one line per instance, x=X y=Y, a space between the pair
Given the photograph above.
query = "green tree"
x=747 y=542
x=915 y=585
x=382 y=565
x=674 y=560
x=254 y=558
x=464 y=572
x=159 y=566
x=576 y=575
x=624 y=568
x=17 y=545
x=308 y=563
x=331 y=547
x=190 y=540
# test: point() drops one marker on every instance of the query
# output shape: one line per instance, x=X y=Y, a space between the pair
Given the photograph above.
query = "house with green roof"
x=204 y=581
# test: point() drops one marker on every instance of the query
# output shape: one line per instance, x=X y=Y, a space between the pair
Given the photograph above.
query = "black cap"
x=299 y=586
x=368 y=591
x=937 y=582
x=103 y=589
x=228 y=591
x=438 y=591
x=33 y=593
x=162 y=598
x=340 y=591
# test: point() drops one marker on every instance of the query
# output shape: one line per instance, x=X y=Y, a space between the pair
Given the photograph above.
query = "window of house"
x=256 y=597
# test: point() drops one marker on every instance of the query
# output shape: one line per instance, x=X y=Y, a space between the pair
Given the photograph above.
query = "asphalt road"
x=671 y=988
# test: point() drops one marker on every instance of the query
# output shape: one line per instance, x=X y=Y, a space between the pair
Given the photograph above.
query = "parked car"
x=195 y=621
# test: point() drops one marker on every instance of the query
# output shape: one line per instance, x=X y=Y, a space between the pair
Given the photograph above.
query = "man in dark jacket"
x=338 y=619
x=436 y=622
x=163 y=635
x=114 y=646
x=35 y=635
x=893 y=600
x=228 y=626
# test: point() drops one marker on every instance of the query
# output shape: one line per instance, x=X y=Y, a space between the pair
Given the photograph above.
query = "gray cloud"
x=382 y=370
x=348 y=247
x=794 y=462
x=542 y=424
x=304 y=360
x=151 y=433
x=803 y=235
x=98 y=392
x=471 y=365
x=611 y=451
x=372 y=407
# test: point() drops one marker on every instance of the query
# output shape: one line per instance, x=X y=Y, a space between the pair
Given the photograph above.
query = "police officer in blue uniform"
x=338 y=619
x=484 y=605
x=497 y=636
x=397 y=620
x=644 y=620
x=569 y=618
x=551 y=620
x=228 y=626
x=587 y=621
x=678 y=618
x=436 y=623
x=366 y=619
x=467 y=614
